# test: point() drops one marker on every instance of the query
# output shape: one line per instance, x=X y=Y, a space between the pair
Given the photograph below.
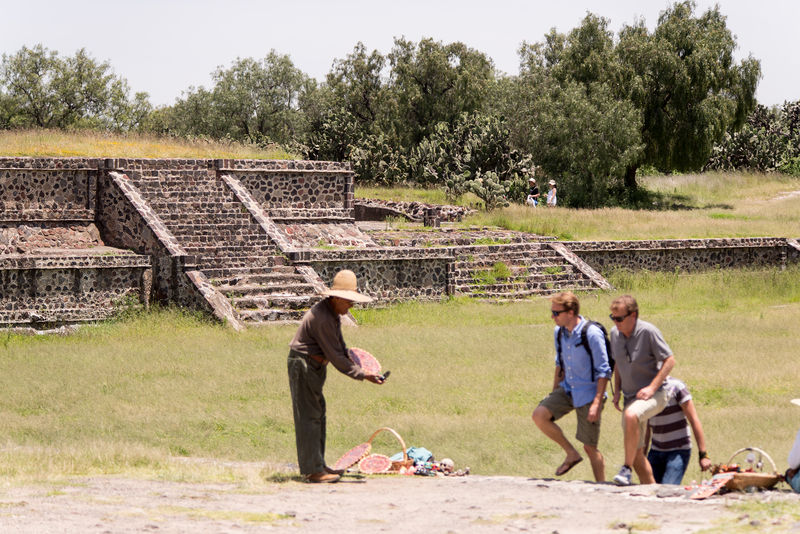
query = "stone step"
x=188 y=228
x=514 y=293
x=231 y=249
x=197 y=206
x=260 y=317
x=266 y=290
x=508 y=256
x=214 y=266
x=521 y=277
x=287 y=301
x=187 y=193
x=521 y=282
x=224 y=274
x=252 y=242
x=532 y=262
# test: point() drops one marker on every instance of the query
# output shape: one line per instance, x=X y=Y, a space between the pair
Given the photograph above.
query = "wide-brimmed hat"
x=552 y=182
x=796 y=402
x=345 y=286
x=531 y=179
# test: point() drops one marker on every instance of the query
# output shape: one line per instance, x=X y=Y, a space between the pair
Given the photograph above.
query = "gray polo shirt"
x=639 y=357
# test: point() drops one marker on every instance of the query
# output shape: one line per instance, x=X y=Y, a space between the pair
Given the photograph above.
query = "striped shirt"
x=670 y=429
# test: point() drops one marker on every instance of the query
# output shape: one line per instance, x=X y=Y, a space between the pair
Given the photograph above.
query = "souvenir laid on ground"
x=753 y=476
x=716 y=483
x=351 y=457
x=365 y=360
x=374 y=464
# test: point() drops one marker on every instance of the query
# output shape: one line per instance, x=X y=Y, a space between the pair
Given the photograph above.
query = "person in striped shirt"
x=670 y=443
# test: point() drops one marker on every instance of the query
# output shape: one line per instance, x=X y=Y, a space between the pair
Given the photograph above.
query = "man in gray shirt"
x=643 y=362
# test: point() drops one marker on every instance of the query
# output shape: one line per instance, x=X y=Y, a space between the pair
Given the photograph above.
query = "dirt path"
x=382 y=504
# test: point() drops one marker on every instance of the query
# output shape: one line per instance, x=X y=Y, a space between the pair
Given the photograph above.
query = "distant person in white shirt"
x=551 y=194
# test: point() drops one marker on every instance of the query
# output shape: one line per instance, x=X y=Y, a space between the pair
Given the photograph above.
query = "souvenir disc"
x=375 y=463
x=365 y=360
x=351 y=457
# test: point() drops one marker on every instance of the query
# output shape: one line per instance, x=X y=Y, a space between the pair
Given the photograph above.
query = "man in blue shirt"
x=579 y=384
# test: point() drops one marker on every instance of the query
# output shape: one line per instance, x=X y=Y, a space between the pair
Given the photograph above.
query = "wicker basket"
x=406 y=461
x=742 y=481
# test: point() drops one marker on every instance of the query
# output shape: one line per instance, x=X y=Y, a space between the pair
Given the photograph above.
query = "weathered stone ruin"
x=252 y=241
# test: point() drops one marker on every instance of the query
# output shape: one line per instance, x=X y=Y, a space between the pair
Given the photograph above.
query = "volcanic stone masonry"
x=253 y=241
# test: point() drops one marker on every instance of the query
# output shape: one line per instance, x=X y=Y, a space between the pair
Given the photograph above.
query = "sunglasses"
x=617 y=319
x=556 y=313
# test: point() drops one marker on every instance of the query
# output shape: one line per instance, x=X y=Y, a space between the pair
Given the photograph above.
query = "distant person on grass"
x=670 y=443
x=318 y=341
x=579 y=384
x=643 y=362
x=551 y=194
x=533 y=192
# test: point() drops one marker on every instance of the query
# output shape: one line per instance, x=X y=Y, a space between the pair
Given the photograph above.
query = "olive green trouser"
x=306 y=378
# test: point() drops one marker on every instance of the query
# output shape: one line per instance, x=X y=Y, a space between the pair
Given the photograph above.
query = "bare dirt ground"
x=377 y=504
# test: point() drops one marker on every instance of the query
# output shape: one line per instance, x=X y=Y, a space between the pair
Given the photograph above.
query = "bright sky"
x=165 y=46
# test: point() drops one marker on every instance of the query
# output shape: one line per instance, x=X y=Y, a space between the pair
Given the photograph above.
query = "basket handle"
x=755 y=449
x=395 y=434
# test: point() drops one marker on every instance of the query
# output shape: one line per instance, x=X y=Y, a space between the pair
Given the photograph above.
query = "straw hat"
x=532 y=179
x=552 y=182
x=345 y=286
x=796 y=402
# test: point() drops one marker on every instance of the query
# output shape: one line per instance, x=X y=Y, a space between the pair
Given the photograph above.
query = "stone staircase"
x=512 y=271
x=228 y=244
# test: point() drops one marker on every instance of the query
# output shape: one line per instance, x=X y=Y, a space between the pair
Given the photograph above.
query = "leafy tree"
x=434 y=82
x=569 y=114
x=683 y=79
x=585 y=140
x=252 y=100
x=40 y=89
x=592 y=110
x=351 y=106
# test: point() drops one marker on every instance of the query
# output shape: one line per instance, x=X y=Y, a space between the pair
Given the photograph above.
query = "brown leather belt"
x=318 y=359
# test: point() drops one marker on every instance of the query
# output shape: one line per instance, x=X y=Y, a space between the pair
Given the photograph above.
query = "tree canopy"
x=588 y=108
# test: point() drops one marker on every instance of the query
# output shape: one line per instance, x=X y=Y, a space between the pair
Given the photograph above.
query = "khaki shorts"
x=644 y=410
x=559 y=403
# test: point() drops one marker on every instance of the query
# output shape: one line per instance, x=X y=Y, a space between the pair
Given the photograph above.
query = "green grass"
x=686 y=206
x=152 y=394
x=414 y=194
x=89 y=143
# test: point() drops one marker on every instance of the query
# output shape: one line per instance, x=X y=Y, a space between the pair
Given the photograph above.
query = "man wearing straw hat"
x=793 y=473
x=318 y=341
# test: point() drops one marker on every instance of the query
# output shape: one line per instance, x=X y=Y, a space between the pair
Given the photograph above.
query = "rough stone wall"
x=29 y=236
x=684 y=254
x=296 y=189
x=393 y=280
x=127 y=222
x=70 y=287
x=47 y=188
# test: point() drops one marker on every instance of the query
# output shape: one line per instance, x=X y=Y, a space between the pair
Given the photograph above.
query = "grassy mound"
x=86 y=143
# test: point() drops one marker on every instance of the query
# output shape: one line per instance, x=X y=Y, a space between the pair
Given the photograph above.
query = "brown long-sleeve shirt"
x=320 y=334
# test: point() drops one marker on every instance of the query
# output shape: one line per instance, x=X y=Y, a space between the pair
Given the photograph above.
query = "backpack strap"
x=586 y=345
x=558 y=348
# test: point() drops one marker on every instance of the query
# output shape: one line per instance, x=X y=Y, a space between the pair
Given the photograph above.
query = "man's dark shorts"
x=559 y=403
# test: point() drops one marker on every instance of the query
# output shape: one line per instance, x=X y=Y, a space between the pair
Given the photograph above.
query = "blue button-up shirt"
x=578 y=364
